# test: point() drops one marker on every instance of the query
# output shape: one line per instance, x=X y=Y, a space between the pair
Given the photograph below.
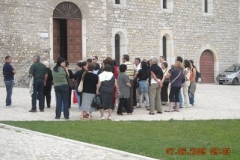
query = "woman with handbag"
x=105 y=88
x=176 y=75
x=89 y=83
x=61 y=88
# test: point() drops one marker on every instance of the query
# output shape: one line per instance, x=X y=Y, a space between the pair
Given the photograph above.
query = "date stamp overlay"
x=198 y=151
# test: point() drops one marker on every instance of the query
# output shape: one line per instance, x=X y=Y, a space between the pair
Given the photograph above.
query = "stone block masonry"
x=23 y=21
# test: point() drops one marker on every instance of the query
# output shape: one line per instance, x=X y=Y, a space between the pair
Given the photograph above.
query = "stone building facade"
x=206 y=31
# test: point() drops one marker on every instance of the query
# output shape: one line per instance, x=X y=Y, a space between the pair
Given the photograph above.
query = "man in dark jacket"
x=8 y=73
x=39 y=73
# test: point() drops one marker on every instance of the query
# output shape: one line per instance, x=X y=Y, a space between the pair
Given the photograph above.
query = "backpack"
x=198 y=76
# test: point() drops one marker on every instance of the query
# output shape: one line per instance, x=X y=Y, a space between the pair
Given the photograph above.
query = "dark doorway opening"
x=117 y=48
x=164 y=40
x=63 y=38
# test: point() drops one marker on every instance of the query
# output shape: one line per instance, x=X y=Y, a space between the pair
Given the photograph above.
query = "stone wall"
x=23 y=21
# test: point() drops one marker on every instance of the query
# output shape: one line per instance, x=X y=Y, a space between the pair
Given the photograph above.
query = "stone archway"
x=208 y=51
x=123 y=43
x=166 y=46
x=67 y=32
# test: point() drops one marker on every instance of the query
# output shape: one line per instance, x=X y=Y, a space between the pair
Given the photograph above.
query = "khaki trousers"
x=186 y=84
x=155 y=97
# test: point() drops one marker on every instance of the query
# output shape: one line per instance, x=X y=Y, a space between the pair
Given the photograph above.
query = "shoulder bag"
x=70 y=82
x=80 y=87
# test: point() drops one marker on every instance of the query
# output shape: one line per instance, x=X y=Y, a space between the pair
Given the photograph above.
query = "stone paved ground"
x=212 y=102
x=20 y=144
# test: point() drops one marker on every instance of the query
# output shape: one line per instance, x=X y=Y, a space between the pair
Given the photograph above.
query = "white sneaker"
x=109 y=118
x=190 y=105
x=101 y=118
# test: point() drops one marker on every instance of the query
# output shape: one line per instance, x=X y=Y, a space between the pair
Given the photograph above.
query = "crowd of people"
x=131 y=85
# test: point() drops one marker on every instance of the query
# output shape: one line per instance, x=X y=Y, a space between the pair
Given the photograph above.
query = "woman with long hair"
x=176 y=75
x=192 y=87
x=143 y=85
x=61 y=87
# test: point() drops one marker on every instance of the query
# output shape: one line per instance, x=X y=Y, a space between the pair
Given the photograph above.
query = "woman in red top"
x=115 y=73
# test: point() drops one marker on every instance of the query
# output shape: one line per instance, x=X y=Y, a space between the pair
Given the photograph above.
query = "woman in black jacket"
x=48 y=86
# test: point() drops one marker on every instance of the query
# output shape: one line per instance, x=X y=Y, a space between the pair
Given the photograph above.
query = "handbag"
x=96 y=102
x=70 y=82
x=80 y=87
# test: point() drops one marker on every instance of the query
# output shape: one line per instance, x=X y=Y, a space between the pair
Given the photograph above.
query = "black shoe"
x=159 y=112
x=31 y=110
x=41 y=110
x=57 y=118
x=66 y=117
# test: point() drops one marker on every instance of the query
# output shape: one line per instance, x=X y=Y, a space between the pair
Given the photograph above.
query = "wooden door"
x=207 y=67
x=74 y=40
x=56 y=39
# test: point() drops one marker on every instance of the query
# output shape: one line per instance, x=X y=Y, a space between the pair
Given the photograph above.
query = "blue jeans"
x=38 y=88
x=62 y=96
x=9 y=88
x=191 y=98
x=78 y=99
x=180 y=99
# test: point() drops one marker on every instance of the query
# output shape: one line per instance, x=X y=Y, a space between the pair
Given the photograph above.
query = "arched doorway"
x=67 y=32
x=117 y=48
x=207 y=67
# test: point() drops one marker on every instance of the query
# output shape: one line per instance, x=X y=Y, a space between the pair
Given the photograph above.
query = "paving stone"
x=212 y=102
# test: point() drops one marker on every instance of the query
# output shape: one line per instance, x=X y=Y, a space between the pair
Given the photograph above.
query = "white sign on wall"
x=44 y=35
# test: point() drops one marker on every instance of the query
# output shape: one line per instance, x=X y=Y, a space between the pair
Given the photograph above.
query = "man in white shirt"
x=137 y=63
x=131 y=72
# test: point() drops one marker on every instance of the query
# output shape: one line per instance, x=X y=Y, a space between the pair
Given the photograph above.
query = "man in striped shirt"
x=131 y=72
